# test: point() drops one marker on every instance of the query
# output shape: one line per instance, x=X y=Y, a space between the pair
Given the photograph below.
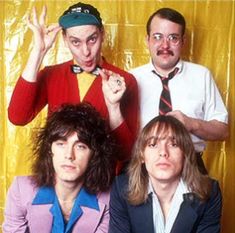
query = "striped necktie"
x=165 y=98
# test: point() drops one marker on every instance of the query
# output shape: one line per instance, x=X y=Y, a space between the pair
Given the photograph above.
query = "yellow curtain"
x=210 y=42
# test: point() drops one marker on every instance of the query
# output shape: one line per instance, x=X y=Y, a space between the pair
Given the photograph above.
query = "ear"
x=184 y=39
x=102 y=33
x=142 y=158
x=147 y=40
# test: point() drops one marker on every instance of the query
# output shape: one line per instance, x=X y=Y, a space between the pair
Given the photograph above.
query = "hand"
x=187 y=121
x=113 y=86
x=44 y=37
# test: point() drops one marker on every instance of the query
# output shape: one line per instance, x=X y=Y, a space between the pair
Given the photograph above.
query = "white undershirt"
x=158 y=218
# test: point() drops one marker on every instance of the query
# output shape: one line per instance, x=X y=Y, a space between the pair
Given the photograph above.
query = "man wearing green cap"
x=87 y=77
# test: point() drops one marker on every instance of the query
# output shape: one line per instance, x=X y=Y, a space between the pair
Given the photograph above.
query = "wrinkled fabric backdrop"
x=210 y=42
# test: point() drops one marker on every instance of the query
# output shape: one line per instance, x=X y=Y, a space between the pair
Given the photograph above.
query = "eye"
x=173 y=144
x=75 y=42
x=93 y=39
x=174 y=38
x=81 y=146
x=152 y=145
x=157 y=37
x=59 y=143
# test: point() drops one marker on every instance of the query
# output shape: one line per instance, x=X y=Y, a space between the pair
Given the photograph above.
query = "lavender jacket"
x=21 y=216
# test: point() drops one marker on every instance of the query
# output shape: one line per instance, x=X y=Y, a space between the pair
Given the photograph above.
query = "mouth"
x=88 y=63
x=163 y=165
x=68 y=167
x=165 y=52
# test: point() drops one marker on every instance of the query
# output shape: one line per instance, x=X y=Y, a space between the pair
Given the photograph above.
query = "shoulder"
x=24 y=187
x=215 y=190
x=103 y=197
x=137 y=71
x=195 y=67
x=120 y=183
x=141 y=72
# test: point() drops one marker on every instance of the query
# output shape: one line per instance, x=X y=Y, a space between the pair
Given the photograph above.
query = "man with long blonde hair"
x=164 y=191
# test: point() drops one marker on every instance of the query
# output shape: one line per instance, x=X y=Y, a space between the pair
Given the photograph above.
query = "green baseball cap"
x=80 y=14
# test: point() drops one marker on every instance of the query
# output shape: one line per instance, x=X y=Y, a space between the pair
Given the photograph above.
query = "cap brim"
x=77 y=19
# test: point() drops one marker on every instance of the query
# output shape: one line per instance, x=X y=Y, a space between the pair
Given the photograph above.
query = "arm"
x=15 y=214
x=119 y=219
x=44 y=38
x=210 y=221
x=210 y=122
x=28 y=97
x=113 y=87
x=208 y=130
x=124 y=99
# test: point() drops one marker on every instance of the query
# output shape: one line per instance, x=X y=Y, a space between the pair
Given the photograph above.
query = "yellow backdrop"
x=210 y=35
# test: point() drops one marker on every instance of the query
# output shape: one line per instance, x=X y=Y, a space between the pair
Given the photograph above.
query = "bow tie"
x=77 y=70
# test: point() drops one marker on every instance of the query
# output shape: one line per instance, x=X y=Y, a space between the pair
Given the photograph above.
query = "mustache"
x=159 y=52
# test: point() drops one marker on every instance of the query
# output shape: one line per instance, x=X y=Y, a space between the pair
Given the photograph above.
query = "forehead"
x=162 y=131
x=164 y=26
x=83 y=31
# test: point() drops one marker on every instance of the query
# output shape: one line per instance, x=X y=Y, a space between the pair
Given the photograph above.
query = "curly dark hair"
x=92 y=130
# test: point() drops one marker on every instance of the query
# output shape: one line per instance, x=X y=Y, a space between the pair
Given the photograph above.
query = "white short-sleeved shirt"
x=193 y=92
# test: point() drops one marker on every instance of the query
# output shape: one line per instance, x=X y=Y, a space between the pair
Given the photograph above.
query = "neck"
x=165 y=190
x=164 y=72
x=67 y=192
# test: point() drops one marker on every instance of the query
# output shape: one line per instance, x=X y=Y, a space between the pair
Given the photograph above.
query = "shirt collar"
x=88 y=200
x=179 y=65
x=182 y=187
x=47 y=195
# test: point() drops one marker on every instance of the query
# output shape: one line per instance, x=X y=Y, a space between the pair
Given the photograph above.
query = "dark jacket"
x=194 y=216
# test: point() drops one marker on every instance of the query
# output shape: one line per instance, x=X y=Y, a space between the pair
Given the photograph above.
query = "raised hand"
x=44 y=36
x=113 y=86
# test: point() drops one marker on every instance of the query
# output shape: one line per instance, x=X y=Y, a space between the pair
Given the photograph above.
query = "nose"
x=69 y=153
x=163 y=152
x=85 y=50
x=165 y=43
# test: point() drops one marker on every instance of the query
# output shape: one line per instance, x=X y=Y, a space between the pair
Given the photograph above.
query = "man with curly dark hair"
x=72 y=171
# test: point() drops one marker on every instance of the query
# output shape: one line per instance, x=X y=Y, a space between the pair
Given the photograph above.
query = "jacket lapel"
x=188 y=214
x=142 y=217
x=90 y=219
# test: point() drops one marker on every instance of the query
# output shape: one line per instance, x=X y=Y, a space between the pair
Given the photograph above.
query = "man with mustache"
x=190 y=93
x=87 y=77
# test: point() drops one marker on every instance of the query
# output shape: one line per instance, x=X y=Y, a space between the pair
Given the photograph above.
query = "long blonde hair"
x=138 y=177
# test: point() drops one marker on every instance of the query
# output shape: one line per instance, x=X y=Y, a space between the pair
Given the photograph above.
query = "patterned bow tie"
x=77 y=70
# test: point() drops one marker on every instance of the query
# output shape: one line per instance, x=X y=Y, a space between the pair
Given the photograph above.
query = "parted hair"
x=92 y=130
x=169 y=14
x=197 y=182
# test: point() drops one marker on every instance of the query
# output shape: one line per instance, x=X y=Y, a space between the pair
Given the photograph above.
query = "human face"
x=70 y=159
x=85 y=44
x=163 y=158
x=164 y=55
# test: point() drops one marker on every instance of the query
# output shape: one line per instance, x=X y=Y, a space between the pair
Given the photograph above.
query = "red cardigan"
x=57 y=85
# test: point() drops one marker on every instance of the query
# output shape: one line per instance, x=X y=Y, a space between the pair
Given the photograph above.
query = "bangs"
x=160 y=130
x=66 y=131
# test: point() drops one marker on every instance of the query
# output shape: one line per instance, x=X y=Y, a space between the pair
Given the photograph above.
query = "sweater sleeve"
x=125 y=134
x=27 y=101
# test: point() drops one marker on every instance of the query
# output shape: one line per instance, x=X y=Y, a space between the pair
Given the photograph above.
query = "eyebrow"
x=159 y=33
x=88 y=38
